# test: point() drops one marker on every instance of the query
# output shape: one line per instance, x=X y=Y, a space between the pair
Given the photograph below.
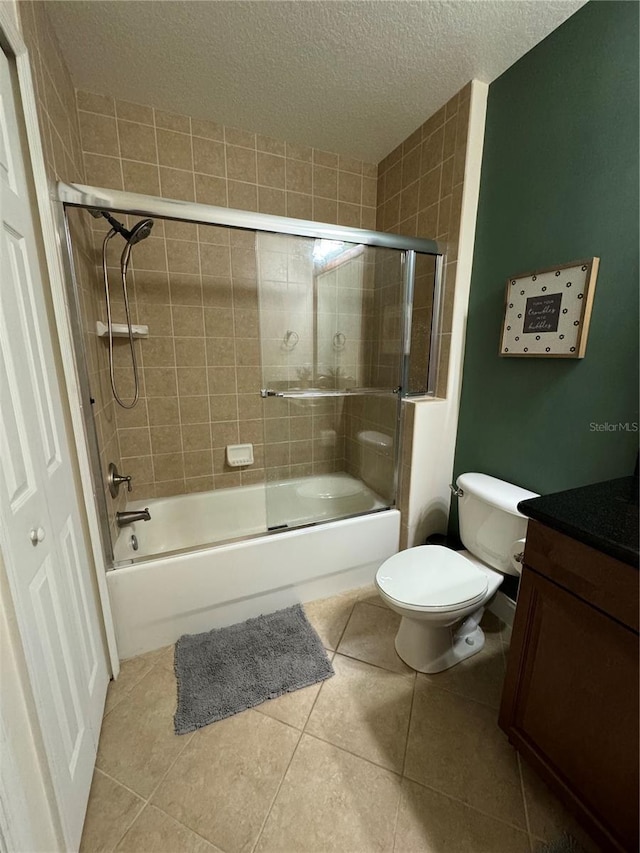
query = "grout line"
x=373 y=763
x=524 y=800
x=406 y=744
x=275 y=796
x=186 y=826
x=143 y=805
x=397 y=815
x=467 y=805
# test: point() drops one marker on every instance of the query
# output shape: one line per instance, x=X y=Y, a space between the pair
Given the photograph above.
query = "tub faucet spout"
x=129 y=516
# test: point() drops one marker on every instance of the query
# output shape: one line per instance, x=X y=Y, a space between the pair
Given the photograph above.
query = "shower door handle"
x=313 y=393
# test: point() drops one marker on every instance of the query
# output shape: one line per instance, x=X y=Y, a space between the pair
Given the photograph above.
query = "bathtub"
x=169 y=591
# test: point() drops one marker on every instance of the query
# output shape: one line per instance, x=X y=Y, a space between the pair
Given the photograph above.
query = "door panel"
x=25 y=301
x=48 y=565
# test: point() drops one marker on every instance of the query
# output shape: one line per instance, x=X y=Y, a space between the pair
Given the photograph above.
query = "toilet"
x=441 y=594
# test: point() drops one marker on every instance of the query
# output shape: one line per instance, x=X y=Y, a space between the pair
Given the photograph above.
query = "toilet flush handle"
x=456 y=491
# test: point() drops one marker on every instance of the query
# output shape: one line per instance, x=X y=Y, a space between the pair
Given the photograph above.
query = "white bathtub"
x=157 y=600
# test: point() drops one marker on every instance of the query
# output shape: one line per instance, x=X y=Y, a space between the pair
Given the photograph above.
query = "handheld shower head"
x=140 y=231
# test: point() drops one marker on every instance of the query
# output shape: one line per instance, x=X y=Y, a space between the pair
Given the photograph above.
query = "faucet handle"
x=115 y=480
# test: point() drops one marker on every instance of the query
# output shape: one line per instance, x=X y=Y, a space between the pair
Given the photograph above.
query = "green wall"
x=559 y=183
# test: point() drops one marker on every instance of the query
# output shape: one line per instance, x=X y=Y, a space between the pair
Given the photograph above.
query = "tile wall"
x=420 y=186
x=196 y=289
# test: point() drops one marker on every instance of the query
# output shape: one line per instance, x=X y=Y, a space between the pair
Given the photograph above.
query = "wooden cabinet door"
x=570 y=705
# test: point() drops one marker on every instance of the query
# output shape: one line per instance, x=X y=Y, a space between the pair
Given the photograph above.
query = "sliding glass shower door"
x=331 y=331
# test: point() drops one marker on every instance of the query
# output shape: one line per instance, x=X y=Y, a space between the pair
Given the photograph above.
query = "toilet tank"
x=491 y=527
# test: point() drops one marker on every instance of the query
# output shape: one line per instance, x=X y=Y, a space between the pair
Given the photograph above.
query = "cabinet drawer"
x=600 y=580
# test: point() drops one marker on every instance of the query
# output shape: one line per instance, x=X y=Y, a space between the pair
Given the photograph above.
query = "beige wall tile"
x=175 y=183
x=298 y=176
x=140 y=178
x=171 y=121
x=272 y=201
x=165 y=439
x=299 y=206
x=194 y=410
x=325 y=182
x=211 y=190
x=160 y=382
x=237 y=136
x=196 y=436
x=186 y=288
x=182 y=257
x=99 y=134
x=207 y=129
x=137 y=142
x=215 y=260
x=174 y=149
x=242 y=196
x=241 y=164
x=191 y=381
x=103 y=104
x=325 y=158
x=299 y=152
x=270 y=145
x=103 y=171
x=168 y=467
x=134 y=112
x=224 y=407
x=163 y=411
x=209 y=157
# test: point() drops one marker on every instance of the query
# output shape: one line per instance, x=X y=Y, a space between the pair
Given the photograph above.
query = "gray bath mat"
x=227 y=670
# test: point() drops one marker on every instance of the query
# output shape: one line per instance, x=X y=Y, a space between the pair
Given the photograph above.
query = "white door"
x=48 y=564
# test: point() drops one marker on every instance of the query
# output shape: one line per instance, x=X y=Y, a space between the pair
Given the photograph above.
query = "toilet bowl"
x=441 y=594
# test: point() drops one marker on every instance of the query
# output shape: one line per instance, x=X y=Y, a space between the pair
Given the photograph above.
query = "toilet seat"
x=431 y=578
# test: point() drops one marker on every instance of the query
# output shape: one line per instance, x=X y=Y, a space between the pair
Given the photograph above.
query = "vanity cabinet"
x=570 y=699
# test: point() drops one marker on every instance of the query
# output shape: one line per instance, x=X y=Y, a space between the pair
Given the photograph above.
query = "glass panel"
x=421 y=319
x=330 y=324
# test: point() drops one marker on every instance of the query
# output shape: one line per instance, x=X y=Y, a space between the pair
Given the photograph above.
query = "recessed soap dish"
x=239 y=454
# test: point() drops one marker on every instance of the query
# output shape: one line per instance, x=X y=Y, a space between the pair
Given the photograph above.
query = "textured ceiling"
x=351 y=77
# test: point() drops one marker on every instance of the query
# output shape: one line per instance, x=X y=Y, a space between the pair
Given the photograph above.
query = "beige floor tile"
x=429 y=822
x=156 y=832
x=365 y=709
x=370 y=636
x=548 y=817
x=166 y=656
x=111 y=811
x=479 y=677
x=370 y=595
x=331 y=800
x=224 y=782
x=456 y=747
x=329 y=617
x=291 y=708
x=137 y=744
x=131 y=671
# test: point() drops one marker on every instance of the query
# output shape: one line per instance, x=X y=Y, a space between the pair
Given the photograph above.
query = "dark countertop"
x=603 y=515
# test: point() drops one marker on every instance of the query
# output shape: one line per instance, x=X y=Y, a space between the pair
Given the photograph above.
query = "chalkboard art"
x=547 y=312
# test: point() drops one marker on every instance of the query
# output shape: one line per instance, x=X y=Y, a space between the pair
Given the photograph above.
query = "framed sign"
x=547 y=312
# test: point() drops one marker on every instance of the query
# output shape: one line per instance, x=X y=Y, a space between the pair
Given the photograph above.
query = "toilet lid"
x=431 y=577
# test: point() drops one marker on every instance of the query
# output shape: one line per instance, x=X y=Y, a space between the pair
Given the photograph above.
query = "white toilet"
x=441 y=593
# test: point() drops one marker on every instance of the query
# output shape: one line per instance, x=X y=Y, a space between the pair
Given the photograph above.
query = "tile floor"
x=377 y=758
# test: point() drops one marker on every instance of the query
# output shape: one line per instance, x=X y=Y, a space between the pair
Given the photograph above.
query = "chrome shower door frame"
x=74 y=314
x=117 y=201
